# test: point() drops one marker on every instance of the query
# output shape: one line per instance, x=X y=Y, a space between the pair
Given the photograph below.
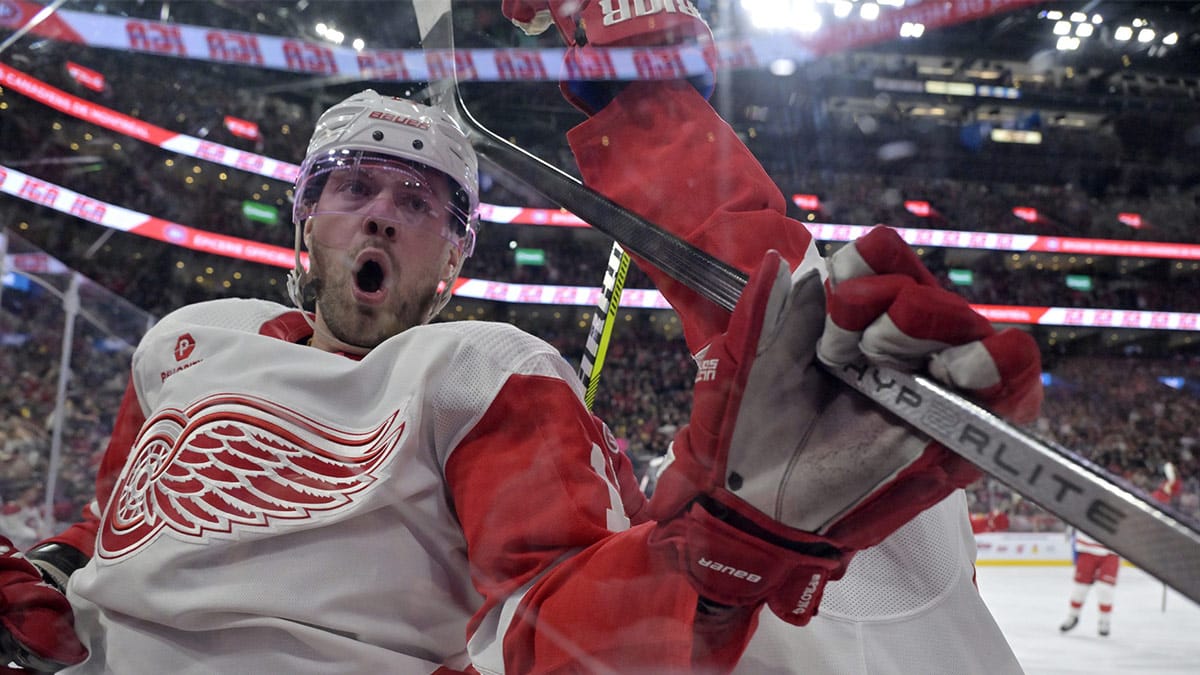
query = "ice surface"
x=1029 y=603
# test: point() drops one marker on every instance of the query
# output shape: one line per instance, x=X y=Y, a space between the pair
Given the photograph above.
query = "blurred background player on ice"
x=1095 y=565
x=1098 y=566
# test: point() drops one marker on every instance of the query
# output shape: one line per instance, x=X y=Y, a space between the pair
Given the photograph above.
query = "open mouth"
x=369 y=277
x=371 y=271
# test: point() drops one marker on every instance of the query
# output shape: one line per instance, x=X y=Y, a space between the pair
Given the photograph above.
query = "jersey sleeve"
x=550 y=510
x=660 y=150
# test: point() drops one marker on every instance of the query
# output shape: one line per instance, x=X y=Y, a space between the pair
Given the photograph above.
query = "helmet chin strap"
x=443 y=291
x=298 y=278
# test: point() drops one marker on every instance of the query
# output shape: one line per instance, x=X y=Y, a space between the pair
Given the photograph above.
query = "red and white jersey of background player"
x=1093 y=561
x=1085 y=544
x=288 y=510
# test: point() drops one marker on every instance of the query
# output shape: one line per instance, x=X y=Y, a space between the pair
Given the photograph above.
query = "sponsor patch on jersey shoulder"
x=184 y=346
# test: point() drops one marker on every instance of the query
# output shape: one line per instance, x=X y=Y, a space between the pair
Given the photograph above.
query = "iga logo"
x=184 y=346
x=309 y=58
x=152 y=37
x=520 y=64
x=233 y=47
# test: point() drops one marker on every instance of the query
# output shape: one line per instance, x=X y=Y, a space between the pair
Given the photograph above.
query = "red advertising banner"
x=1133 y=220
x=1026 y=213
x=242 y=128
x=918 y=208
x=807 y=202
x=86 y=76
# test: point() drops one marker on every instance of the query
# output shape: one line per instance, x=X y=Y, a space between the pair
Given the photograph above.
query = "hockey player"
x=1096 y=565
x=1169 y=489
x=358 y=490
x=909 y=603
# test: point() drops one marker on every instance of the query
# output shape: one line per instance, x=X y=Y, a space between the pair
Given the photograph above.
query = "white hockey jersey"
x=907 y=605
x=448 y=500
x=1082 y=543
x=288 y=510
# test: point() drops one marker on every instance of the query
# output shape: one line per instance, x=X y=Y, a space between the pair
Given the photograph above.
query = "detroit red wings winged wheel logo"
x=230 y=463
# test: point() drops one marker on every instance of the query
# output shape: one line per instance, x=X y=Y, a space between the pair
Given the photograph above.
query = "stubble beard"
x=366 y=326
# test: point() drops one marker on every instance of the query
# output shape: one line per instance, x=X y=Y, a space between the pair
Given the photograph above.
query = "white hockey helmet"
x=373 y=127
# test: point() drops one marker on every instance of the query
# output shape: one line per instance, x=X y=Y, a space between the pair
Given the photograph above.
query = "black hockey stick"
x=1159 y=541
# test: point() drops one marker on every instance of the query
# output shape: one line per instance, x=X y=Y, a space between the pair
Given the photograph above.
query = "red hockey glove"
x=614 y=23
x=534 y=16
x=885 y=306
x=611 y=23
x=36 y=623
x=722 y=502
x=784 y=472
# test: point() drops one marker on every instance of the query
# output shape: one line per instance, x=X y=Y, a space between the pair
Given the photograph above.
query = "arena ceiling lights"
x=799 y=16
x=1071 y=29
x=337 y=37
x=808 y=16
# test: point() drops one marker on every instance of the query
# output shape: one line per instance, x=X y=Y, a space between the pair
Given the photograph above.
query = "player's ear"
x=308 y=228
x=453 y=259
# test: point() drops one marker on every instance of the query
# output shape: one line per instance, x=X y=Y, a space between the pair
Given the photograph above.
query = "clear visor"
x=390 y=192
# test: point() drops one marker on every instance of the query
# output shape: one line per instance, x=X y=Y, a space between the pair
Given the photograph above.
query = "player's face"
x=378 y=248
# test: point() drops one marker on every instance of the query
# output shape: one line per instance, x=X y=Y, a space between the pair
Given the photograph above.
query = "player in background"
x=997 y=519
x=1171 y=484
x=359 y=490
x=906 y=604
x=1095 y=565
